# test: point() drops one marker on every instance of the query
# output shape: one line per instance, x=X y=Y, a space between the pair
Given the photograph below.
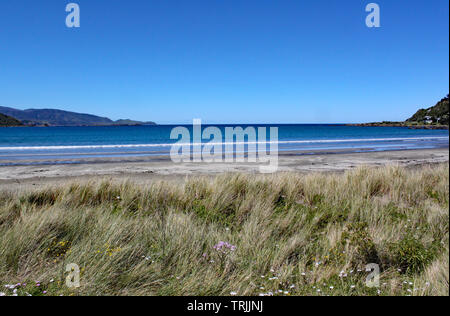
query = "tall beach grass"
x=285 y=234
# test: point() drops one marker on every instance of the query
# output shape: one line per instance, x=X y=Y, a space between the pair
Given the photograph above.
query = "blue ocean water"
x=18 y=144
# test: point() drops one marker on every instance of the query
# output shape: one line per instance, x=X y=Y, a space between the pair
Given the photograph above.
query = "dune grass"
x=286 y=234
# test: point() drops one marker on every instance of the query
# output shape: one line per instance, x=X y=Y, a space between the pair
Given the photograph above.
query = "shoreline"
x=160 y=154
x=431 y=127
x=162 y=168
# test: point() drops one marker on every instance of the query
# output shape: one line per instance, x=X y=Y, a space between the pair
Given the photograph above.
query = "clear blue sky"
x=230 y=61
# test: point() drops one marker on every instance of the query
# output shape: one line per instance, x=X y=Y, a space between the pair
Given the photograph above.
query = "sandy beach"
x=141 y=169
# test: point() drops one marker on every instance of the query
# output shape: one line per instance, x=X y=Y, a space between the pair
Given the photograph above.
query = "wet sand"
x=141 y=169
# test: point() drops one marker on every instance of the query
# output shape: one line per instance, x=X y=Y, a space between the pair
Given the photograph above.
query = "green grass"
x=294 y=235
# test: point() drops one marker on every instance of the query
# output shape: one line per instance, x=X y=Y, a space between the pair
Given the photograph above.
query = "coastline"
x=156 y=168
x=410 y=126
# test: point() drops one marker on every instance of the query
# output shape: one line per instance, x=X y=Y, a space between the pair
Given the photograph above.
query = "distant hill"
x=52 y=117
x=129 y=122
x=435 y=117
x=435 y=114
x=8 y=121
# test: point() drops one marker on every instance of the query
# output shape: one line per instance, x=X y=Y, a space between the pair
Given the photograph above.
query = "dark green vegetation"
x=7 y=121
x=51 y=117
x=435 y=114
x=294 y=235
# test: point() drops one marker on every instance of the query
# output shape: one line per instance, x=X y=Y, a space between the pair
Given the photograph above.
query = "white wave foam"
x=322 y=141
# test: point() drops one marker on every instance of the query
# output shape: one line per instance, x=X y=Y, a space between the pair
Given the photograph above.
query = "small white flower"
x=2 y=294
x=352 y=286
x=51 y=281
x=286 y=292
x=233 y=293
x=292 y=287
x=331 y=287
x=343 y=275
